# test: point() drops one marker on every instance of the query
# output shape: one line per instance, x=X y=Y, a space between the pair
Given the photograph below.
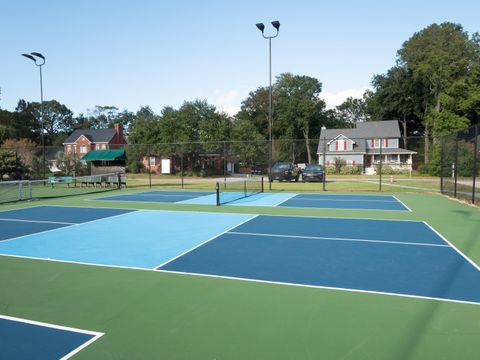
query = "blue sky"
x=159 y=53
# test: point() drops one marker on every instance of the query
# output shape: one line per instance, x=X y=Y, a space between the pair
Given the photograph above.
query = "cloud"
x=335 y=99
x=228 y=102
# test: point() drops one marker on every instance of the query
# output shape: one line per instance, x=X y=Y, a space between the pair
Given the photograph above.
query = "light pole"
x=261 y=27
x=34 y=56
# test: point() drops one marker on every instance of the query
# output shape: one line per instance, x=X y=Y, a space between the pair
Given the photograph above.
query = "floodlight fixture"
x=29 y=56
x=260 y=27
x=41 y=56
x=276 y=24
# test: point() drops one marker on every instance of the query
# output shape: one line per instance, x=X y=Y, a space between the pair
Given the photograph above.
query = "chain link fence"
x=460 y=164
x=377 y=164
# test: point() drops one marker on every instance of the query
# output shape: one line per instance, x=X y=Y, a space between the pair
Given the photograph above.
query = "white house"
x=365 y=145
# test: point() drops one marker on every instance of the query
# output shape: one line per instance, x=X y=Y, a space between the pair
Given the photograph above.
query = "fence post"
x=225 y=161
x=455 y=168
x=181 y=166
x=74 y=168
x=442 y=160
x=324 y=167
x=380 y=167
x=475 y=150
x=149 y=167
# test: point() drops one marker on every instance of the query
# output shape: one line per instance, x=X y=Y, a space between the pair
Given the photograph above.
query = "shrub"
x=351 y=170
x=338 y=163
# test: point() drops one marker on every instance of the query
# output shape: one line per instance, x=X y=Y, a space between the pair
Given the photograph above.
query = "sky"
x=158 y=53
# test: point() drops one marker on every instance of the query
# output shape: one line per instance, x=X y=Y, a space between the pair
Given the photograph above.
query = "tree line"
x=433 y=90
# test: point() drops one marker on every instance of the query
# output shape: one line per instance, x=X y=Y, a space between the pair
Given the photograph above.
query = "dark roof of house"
x=362 y=131
x=93 y=135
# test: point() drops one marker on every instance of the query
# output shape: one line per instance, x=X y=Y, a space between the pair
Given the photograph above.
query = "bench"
x=60 y=180
x=113 y=180
x=93 y=180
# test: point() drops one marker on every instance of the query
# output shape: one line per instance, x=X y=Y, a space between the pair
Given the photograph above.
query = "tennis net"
x=232 y=190
x=59 y=186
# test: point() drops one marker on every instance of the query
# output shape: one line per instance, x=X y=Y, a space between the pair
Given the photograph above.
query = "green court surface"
x=155 y=315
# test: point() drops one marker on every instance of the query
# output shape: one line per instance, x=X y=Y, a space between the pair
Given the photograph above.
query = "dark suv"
x=284 y=171
x=312 y=172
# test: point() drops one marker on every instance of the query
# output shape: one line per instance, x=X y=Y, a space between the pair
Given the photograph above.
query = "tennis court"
x=97 y=282
x=319 y=201
x=405 y=258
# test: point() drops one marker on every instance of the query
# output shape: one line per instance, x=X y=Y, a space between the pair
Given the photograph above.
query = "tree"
x=11 y=166
x=25 y=149
x=437 y=56
x=248 y=144
x=396 y=96
x=352 y=111
x=57 y=120
x=255 y=109
x=25 y=124
x=299 y=107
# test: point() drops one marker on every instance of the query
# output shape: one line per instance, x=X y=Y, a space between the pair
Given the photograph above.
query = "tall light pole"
x=34 y=56
x=261 y=27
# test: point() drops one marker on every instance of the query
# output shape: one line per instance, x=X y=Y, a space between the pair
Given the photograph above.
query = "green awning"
x=104 y=155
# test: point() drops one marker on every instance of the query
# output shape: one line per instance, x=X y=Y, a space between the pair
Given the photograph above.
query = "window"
x=83 y=149
x=152 y=161
x=377 y=143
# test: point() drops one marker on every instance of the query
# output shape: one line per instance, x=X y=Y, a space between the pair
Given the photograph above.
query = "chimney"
x=119 y=131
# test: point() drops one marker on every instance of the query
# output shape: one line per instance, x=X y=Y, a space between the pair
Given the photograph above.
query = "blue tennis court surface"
x=319 y=201
x=159 y=196
x=405 y=258
x=25 y=340
x=357 y=202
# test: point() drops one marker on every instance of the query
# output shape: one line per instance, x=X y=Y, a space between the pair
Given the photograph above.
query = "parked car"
x=312 y=172
x=284 y=171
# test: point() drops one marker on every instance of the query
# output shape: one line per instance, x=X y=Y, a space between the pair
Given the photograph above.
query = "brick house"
x=365 y=145
x=82 y=141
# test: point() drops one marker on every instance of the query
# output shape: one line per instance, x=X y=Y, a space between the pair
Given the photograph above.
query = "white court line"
x=356 y=200
x=38 y=221
x=320 y=287
x=206 y=241
x=282 y=201
x=401 y=202
x=453 y=246
x=96 y=335
x=337 y=239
